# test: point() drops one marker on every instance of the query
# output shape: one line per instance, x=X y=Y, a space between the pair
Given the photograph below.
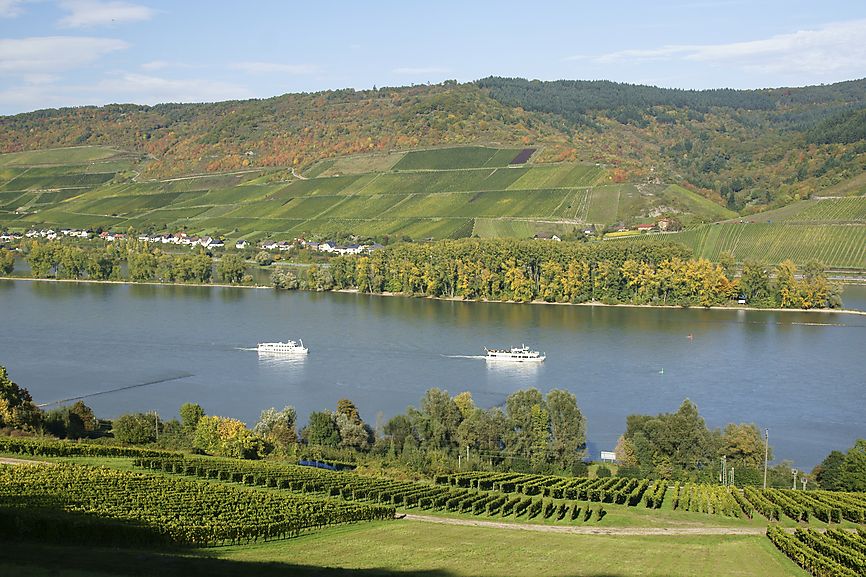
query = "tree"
x=755 y=283
x=728 y=264
x=231 y=268
x=353 y=434
x=190 y=415
x=519 y=410
x=71 y=422
x=670 y=444
x=465 y=404
x=322 y=429
x=43 y=258
x=264 y=258
x=567 y=427
x=438 y=419
x=72 y=261
x=135 y=428
x=278 y=427
x=348 y=408
x=398 y=428
x=100 y=265
x=743 y=445
x=829 y=474
x=7 y=261
x=17 y=410
x=227 y=437
x=854 y=468
x=84 y=417
x=284 y=279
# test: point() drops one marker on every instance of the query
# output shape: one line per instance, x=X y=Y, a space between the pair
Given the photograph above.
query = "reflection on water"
x=504 y=368
x=281 y=361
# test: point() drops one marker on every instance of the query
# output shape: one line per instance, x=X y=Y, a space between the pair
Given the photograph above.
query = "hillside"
x=440 y=193
x=749 y=149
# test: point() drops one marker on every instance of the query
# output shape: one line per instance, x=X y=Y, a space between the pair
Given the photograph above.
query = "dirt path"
x=593 y=530
x=11 y=461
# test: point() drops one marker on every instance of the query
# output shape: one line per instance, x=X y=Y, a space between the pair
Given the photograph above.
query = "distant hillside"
x=447 y=192
x=752 y=148
x=748 y=150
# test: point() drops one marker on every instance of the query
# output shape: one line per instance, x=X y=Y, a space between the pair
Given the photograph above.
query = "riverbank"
x=129 y=282
x=457 y=299
x=617 y=305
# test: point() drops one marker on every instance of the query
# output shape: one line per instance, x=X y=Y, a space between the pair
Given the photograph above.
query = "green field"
x=456 y=157
x=837 y=246
x=403 y=548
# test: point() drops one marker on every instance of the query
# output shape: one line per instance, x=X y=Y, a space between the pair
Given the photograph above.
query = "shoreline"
x=452 y=299
x=616 y=305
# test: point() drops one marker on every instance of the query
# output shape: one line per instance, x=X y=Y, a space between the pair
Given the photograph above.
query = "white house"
x=241 y=244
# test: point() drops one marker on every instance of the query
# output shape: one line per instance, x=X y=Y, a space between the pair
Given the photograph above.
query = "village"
x=192 y=241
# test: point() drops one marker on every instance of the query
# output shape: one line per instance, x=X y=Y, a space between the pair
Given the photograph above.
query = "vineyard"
x=837 y=246
x=833 y=553
x=439 y=193
x=824 y=506
x=848 y=210
x=100 y=505
x=199 y=501
x=353 y=487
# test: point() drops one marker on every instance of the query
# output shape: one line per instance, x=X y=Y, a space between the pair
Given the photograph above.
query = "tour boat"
x=520 y=354
x=288 y=347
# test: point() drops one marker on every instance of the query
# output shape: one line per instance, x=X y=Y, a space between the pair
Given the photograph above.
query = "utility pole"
x=156 y=424
x=732 y=475
x=766 y=453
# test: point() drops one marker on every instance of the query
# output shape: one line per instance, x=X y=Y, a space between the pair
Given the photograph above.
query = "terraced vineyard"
x=440 y=193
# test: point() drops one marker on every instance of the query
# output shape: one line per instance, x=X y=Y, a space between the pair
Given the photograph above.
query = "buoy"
x=661 y=372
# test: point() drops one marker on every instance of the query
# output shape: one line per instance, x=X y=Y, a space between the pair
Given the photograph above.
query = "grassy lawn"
x=413 y=548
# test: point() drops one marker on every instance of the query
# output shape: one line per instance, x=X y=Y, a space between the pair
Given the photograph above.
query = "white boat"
x=286 y=348
x=520 y=354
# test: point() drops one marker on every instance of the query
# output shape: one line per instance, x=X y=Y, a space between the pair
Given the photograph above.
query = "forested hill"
x=749 y=149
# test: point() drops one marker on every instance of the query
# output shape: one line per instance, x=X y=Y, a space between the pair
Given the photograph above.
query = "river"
x=801 y=375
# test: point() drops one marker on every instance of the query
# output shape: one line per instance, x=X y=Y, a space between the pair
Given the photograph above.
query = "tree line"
x=635 y=272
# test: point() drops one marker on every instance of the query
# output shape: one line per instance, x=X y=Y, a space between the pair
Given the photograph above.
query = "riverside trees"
x=636 y=272
x=534 y=433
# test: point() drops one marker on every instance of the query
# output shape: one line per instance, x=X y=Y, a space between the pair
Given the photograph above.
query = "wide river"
x=802 y=376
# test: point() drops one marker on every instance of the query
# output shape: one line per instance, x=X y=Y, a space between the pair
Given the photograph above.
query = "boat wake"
x=246 y=348
x=465 y=356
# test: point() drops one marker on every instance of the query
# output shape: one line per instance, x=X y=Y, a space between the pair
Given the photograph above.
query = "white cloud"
x=36 y=93
x=831 y=48
x=164 y=65
x=421 y=70
x=11 y=8
x=153 y=89
x=44 y=54
x=274 y=68
x=83 y=13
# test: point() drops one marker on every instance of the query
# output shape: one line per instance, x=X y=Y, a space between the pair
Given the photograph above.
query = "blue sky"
x=74 y=52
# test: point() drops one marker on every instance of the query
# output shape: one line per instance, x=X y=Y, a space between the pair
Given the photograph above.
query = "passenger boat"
x=287 y=348
x=520 y=354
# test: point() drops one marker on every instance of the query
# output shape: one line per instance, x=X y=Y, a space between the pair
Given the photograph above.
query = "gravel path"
x=11 y=461
x=593 y=530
